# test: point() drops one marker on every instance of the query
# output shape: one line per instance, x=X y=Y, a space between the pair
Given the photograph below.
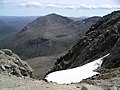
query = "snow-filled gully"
x=76 y=74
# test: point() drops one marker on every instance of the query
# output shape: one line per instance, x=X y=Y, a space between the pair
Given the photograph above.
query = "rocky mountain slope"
x=5 y=30
x=47 y=35
x=101 y=39
x=15 y=74
x=12 y=67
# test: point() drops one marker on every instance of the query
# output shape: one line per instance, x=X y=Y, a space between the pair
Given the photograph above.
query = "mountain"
x=101 y=39
x=82 y=26
x=5 y=30
x=18 y=22
x=47 y=35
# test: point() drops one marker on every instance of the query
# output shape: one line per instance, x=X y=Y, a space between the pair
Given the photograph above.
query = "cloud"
x=61 y=6
x=105 y=6
x=6 y=2
x=118 y=1
x=31 y=4
x=82 y=6
x=3 y=2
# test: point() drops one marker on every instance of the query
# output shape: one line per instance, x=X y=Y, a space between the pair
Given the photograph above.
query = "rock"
x=7 y=51
x=16 y=56
x=1 y=52
x=12 y=64
x=84 y=88
x=113 y=88
x=91 y=87
x=17 y=72
x=2 y=67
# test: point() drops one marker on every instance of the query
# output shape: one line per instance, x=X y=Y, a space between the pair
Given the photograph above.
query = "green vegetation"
x=38 y=78
x=108 y=75
x=88 y=82
x=60 y=36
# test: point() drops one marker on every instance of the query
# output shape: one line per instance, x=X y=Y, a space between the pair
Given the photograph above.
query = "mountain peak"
x=50 y=20
x=53 y=14
x=57 y=18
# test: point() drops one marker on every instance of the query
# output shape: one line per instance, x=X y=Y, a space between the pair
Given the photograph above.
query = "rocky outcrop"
x=101 y=39
x=12 y=64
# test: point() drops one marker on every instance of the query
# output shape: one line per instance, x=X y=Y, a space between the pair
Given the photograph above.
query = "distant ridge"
x=5 y=30
x=18 y=22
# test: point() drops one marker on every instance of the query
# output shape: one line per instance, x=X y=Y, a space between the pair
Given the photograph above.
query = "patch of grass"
x=88 y=82
x=38 y=78
x=108 y=76
x=102 y=71
x=60 y=36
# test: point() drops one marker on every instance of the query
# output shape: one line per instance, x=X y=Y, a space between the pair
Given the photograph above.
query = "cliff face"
x=101 y=39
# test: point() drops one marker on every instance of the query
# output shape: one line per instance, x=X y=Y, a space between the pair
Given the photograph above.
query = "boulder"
x=7 y=51
x=91 y=87
x=1 y=52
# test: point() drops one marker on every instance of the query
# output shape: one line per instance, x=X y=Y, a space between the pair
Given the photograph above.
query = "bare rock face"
x=12 y=64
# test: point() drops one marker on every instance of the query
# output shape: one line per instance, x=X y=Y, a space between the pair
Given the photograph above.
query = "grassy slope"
x=41 y=65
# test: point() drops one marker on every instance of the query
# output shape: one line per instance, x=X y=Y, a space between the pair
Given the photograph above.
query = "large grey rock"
x=12 y=64
x=113 y=88
x=84 y=88
x=7 y=51
x=1 y=52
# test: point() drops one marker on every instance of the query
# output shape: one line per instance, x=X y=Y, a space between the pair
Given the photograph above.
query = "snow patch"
x=76 y=74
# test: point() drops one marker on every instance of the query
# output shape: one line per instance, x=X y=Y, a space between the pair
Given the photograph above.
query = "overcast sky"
x=72 y=8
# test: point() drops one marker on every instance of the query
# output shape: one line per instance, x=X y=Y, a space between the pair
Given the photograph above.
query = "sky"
x=71 y=8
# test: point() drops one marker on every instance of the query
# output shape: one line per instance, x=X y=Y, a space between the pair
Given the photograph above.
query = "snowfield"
x=76 y=74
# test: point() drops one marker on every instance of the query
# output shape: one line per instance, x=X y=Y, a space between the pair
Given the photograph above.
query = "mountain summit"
x=46 y=26
x=101 y=39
